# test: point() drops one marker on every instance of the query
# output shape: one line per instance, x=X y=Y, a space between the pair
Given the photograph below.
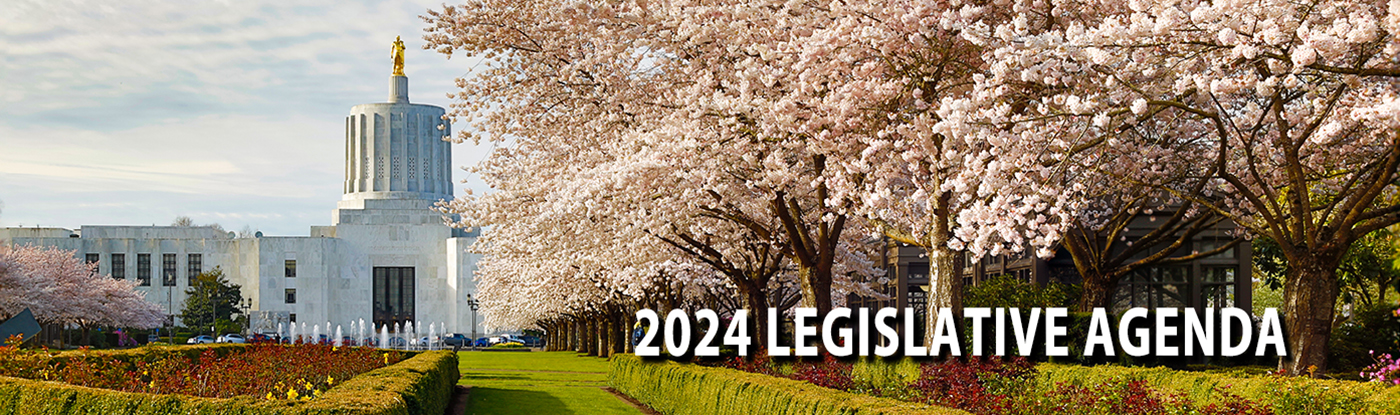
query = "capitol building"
x=386 y=257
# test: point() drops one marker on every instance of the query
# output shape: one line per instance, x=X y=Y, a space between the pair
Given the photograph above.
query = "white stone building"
x=387 y=257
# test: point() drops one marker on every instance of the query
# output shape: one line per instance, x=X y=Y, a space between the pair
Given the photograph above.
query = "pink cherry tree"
x=1291 y=106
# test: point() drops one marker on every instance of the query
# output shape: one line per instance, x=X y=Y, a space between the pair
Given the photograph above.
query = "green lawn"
x=538 y=383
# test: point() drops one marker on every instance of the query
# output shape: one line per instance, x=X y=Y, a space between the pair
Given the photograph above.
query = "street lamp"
x=244 y=306
x=473 y=304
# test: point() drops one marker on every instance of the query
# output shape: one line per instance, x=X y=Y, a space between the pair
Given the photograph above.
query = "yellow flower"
x=386 y=358
x=292 y=393
x=269 y=397
x=330 y=380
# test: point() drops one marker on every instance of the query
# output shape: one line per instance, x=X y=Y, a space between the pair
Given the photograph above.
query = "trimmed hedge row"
x=1286 y=395
x=675 y=389
x=422 y=384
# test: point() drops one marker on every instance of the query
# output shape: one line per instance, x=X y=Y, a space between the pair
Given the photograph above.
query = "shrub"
x=1284 y=395
x=1370 y=329
x=421 y=384
x=508 y=345
x=1385 y=370
x=1007 y=291
x=273 y=371
x=675 y=388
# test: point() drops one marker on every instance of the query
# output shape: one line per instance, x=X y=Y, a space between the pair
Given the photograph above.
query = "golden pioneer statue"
x=397 y=55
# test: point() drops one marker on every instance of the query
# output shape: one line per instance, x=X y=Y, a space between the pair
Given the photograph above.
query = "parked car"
x=267 y=337
x=397 y=342
x=483 y=342
x=201 y=339
x=370 y=341
x=152 y=338
x=530 y=341
x=231 y=338
x=347 y=341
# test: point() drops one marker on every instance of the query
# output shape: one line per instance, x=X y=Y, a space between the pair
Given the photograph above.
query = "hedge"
x=675 y=389
x=1285 y=394
x=422 y=384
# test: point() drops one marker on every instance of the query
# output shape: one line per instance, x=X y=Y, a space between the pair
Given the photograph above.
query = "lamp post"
x=244 y=306
x=471 y=302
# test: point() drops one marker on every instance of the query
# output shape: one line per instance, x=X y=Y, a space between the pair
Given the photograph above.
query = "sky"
x=229 y=112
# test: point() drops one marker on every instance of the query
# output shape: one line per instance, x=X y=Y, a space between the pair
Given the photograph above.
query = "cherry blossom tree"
x=662 y=128
x=1292 y=104
x=60 y=288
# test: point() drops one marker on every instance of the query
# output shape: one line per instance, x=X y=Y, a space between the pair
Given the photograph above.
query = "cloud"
x=136 y=112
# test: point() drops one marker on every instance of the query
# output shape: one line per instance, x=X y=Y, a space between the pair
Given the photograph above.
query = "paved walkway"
x=538 y=383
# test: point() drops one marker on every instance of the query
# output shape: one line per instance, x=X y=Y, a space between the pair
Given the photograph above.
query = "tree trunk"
x=605 y=328
x=619 y=333
x=1098 y=291
x=943 y=279
x=590 y=337
x=576 y=336
x=1309 y=298
x=816 y=289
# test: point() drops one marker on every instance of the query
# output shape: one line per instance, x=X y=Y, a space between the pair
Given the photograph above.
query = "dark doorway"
x=393 y=295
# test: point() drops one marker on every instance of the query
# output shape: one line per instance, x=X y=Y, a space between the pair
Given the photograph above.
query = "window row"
x=169 y=267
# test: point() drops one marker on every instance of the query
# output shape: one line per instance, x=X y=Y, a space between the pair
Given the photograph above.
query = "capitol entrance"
x=393 y=295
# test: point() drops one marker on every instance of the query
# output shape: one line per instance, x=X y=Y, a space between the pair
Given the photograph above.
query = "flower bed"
x=1016 y=386
x=421 y=384
x=265 y=370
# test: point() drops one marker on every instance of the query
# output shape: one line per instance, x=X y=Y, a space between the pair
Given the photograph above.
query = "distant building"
x=386 y=258
x=1222 y=280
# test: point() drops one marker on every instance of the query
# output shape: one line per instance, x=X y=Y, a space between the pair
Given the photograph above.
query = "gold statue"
x=397 y=56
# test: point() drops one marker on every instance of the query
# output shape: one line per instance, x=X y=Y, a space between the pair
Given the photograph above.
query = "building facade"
x=1217 y=281
x=387 y=257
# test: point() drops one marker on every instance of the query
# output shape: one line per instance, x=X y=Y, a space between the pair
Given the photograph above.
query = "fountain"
x=432 y=332
x=384 y=336
x=412 y=339
x=316 y=333
x=337 y=342
x=292 y=335
x=279 y=333
x=360 y=333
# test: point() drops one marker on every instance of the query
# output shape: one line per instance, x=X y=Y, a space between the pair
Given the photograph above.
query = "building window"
x=1155 y=287
x=168 y=267
x=393 y=295
x=195 y=263
x=291 y=268
x=291 y=296
x=92 y=261
x=292 y=318
x=119 y=266
x=918 y=271
x=143 y=270
x=1218 y=289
